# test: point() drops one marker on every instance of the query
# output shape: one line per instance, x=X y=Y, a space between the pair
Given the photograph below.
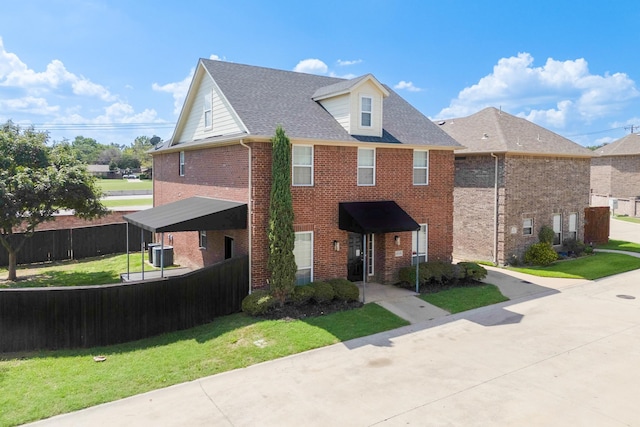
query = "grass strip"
x=45 y=384
x=592 y=267
x=620 y=245
x=465 y=298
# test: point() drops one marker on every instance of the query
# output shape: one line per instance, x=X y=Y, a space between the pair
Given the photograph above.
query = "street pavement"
x=560 y=353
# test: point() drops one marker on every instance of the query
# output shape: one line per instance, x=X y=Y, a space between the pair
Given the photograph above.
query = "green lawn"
x=465 y=298
x=628 y=219
x=620 y=245
x=123 y=184
x=90 y=271
x=128 y=202
x=36 y=386
x=592 y=267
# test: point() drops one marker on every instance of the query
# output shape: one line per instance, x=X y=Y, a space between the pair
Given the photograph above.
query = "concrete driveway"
x=557 y=356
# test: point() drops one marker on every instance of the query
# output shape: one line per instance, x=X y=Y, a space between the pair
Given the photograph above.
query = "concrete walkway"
x=566 y=355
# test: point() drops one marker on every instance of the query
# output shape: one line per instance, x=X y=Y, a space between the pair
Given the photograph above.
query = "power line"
x=101 y=126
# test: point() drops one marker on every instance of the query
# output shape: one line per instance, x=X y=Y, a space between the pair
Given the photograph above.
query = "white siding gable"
x=369 y=90
x=224 y=119
x=339 y=108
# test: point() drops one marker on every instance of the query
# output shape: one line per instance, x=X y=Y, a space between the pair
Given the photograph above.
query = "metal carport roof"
x=192 y=214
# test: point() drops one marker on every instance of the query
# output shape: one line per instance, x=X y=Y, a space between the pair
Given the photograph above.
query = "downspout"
x=495 y=211
x=249 y=212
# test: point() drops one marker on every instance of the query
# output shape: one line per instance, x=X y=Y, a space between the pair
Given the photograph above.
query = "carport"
x=191 y=214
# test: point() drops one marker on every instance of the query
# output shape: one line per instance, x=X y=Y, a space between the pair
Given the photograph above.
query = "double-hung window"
x=366 y=166
x=302 y=163
x=419 y=245
x=527 y=227
x=303 y=254
x=420 y=167
x=366 y=109
x=181 y=161
x=557 y=229
x=573 y=226
x=208 y=114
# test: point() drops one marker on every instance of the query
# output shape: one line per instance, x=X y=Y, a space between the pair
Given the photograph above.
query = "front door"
x=354 y=258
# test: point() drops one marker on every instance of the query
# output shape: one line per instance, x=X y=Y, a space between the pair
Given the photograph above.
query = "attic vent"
x=440 y=123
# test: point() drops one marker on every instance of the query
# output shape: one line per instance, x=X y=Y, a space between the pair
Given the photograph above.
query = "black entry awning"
x=374 y=217
x=192 y=214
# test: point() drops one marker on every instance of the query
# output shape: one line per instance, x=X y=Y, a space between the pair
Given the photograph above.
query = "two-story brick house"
x=366 y=167
x=615 y=174
x=512 y=178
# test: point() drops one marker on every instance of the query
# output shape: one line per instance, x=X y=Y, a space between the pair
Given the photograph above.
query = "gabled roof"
x=625 y=146
x=346 y=86
x=494 y=131
x=264 y=98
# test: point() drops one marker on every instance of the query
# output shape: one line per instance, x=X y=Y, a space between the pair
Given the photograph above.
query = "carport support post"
x=142 y=250
x=364 y=267
x=127 y=250
x=162 y=254
x=417 y=260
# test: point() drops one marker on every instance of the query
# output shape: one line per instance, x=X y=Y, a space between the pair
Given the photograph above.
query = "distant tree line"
x=91 y=152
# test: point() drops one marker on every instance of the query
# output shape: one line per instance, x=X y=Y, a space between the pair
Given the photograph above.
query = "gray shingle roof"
x=492 y=130
x=265 y=98
x=626 y=146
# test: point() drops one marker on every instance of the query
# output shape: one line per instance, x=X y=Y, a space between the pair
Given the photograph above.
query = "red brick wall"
x=222 y=172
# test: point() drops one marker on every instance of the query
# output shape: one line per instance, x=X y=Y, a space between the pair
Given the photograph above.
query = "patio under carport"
x=191 y=214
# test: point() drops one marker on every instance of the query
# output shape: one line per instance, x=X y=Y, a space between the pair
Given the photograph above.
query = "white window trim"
x=559 y=231
x=310 y=266
x=202 y=238
x=370 y=255
x=209 y=97
x=573 y=228
x=370 y=112
x=421 y=167
x=422 y=251
x=294 y=166
x=181 y=162
x=367 y=167
x=529 y=227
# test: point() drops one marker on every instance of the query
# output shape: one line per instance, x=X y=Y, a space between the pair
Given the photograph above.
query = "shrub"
x=472 y=271
x=323 y=292
x=302 y=295
x=258 y=302
x=540 y=254
x=573 y=246
x=513 y=260
x=432 y=273
x=546 y=234
x=588 y=250
x=345 y=290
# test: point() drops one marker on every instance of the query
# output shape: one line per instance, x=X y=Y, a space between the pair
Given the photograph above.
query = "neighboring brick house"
x=615 y=174
x=367 y=166
x=512 y=178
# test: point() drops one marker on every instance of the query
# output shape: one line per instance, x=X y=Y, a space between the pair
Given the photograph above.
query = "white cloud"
x=311 y=66
x=16 y=74
x=29 y=105
x=177 y=89
x=553 y=94
x=342 y=63
x=408 y=86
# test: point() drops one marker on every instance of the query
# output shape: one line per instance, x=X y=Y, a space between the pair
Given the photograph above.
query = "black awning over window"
x=192 y=214
x=374 y=217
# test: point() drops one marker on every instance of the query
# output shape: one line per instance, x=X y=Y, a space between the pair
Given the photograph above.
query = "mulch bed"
x=293 y=312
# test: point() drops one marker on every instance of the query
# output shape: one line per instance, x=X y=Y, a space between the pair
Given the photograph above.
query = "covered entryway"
x=192 y=214
x=363 y=220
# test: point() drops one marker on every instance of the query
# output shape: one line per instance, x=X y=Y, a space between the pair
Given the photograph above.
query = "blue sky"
x=115 y=70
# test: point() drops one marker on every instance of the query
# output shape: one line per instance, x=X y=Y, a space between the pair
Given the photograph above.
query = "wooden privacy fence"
x=596 y=225
x=76 y=243
x=89 y=316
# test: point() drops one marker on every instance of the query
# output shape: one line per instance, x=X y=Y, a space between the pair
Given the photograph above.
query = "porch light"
x=336 y=246
x=397 y=240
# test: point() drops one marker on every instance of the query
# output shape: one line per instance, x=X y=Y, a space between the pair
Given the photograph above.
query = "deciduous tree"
x=35 y=182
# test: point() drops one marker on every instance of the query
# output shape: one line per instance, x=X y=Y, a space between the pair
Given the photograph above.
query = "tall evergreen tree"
x=281 y=262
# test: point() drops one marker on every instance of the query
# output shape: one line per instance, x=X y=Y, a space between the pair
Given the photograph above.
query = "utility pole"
x=632 y=127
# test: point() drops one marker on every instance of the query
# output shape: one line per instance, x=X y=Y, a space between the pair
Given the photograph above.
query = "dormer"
x=356 y=104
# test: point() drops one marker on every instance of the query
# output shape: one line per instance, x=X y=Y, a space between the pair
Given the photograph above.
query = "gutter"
x=495 y=211
x=249 y=213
